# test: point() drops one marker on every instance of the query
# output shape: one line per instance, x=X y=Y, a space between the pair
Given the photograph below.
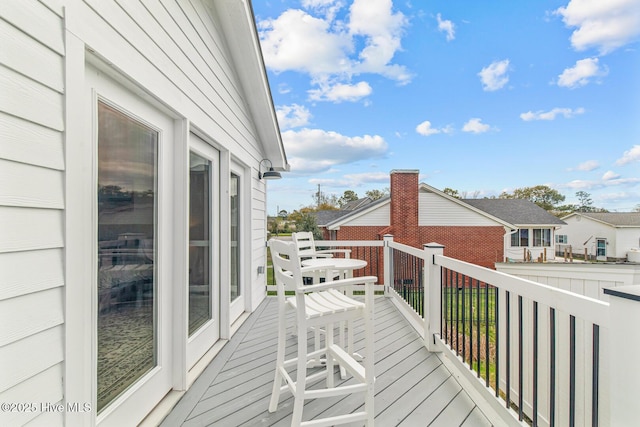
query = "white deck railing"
x=537 y=354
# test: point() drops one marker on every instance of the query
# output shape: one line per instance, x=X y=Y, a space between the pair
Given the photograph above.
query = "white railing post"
x=624 y=348
x=388 y=263
x=432 y=295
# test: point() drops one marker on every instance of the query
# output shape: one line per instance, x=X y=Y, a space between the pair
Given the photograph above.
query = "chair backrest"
x=286 y=266
x=305 y=244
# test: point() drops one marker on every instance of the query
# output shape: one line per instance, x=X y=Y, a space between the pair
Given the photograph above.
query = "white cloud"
x=329 y=8
x=606 y=25
x=551 y=115
x=609 y=175
x=292 y=116
x=475 y=125
x=331 y=49
x=315 y=150
x=382 y=30
x=353 y=180
x=494 y=76
x=581 y=73
x=300 y=42
x=580 y=184
x=587 y=166
x=447 y=27
x=425 y=129
x=339 y=92
x=630 y=156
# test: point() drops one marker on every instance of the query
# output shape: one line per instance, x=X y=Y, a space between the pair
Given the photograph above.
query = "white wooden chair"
x=320 y=306
x=307 y=247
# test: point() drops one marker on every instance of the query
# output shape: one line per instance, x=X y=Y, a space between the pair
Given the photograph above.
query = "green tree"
x=377 y=194
x=542 y=195
x=451 y=192
x=348 y=196
x=307 y=222
x=586 y=204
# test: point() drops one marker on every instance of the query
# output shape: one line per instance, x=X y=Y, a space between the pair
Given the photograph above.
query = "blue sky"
x=480 y=96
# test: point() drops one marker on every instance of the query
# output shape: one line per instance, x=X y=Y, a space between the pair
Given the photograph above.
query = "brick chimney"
x=404 y=206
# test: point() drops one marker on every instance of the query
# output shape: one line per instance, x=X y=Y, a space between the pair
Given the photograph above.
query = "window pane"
x=235 y=237
x=524 y=237
x=127 y=206
x=200 y=306
x=537 y=237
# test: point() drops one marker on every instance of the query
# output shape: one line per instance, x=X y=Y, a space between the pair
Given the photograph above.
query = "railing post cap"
x=388 y=236
x=630 y=292
x=434 y=245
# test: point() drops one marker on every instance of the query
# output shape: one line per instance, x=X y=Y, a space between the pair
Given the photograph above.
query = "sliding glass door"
x=133 y=341
x=204 y=266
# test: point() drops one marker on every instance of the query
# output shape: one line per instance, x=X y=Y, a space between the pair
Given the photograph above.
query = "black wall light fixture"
x=269 y=174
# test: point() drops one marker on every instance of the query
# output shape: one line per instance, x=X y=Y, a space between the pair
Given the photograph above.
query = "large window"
x=520 y=238
x=127 y=230
x=200 y=306
x=235 y=236
x=542 y=237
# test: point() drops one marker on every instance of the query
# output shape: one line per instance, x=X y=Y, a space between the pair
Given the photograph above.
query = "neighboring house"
x=132 y=219
x=535 y=227
x=326 y=216
x=476 y=231
x=608 y=236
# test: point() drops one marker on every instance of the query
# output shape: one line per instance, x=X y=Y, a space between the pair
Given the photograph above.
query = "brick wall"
x=478 y=245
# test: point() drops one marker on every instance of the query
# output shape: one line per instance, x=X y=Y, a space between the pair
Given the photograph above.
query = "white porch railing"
x=537 y=354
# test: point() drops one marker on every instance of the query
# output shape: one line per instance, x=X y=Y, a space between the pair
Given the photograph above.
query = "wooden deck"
x=413 y=387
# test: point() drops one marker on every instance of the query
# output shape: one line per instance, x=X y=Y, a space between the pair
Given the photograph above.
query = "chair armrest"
x=328 y=251
x=369 y=281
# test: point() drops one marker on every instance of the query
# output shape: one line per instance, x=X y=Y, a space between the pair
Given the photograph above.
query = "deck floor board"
x=413 y=386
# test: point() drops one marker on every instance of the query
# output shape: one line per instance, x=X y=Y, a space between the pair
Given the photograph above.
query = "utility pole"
x=318 y=197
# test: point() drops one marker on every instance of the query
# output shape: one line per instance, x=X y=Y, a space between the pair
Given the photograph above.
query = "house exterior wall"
x=626 y=238
x=32 y=173
x=175 y=57
x=581 y=229
x=417 y=218
x=436 y=210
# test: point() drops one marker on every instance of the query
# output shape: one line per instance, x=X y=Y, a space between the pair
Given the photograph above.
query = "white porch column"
x=388 y=263
x=624 y=345
x=432 y=295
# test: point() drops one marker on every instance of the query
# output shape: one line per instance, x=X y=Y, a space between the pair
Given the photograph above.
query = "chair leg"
x=301 y=378
x=277 y=381
x=329 y=358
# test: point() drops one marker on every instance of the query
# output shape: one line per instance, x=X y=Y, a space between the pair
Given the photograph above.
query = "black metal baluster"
x=496 y=312
x=595 y=375
x=508 y=348
x=552 y=369
x=457 y=308
x=535 y=363
x=479 y=311
x=443 y=303
x=572 y=371
x=486 y=334
x=471 y=323
x=520 y=358
x=464 y=324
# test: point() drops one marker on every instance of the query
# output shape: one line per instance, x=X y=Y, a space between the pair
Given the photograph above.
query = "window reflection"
x=127 y=206
x=235 y=237
x=200 y=306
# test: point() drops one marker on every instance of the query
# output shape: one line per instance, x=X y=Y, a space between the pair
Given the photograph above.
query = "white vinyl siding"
x=435 y=210
x=182 y=57
x=31 y=209
x=174 y=55
x=379 y=216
